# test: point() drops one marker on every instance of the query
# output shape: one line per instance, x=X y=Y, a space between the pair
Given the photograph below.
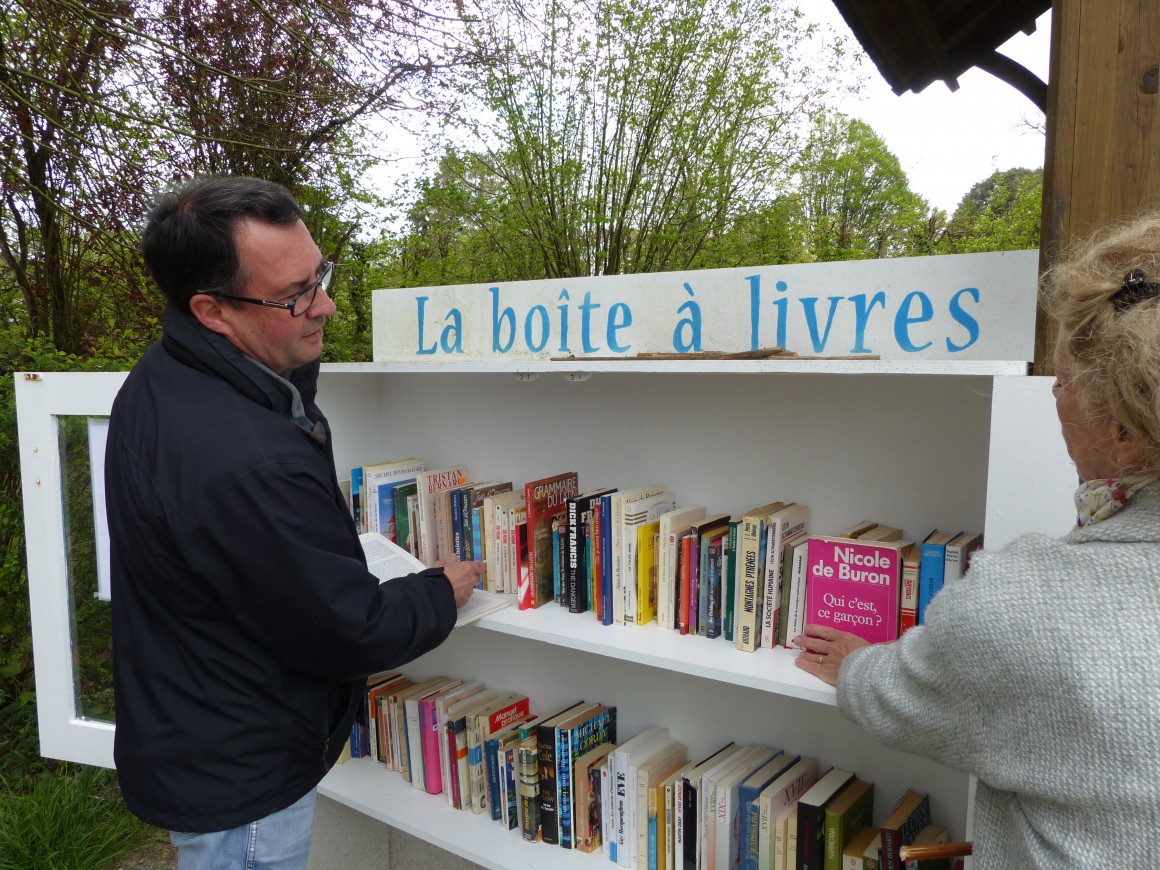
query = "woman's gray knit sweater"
x=1039 y=673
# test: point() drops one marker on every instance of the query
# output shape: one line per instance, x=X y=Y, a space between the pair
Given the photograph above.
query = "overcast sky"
x=948 y=141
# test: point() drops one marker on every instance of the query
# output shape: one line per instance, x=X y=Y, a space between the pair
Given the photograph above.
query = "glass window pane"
x=82 y=460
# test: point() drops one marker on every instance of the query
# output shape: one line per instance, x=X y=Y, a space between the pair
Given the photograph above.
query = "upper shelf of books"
x=963 y=314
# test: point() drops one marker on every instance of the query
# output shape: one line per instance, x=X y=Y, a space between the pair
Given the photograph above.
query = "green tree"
x=623 y=136
x=101 y=102
x=1000 y=213
x=854 y=199
x=70 y=185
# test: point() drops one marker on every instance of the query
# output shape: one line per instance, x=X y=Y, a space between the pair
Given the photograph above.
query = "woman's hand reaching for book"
x=463 y=577
x=824 y=649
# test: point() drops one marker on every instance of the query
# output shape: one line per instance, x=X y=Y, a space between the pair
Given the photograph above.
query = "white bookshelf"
x=908 y=445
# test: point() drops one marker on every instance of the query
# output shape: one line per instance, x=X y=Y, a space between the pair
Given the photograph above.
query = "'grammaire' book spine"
x=540 y=497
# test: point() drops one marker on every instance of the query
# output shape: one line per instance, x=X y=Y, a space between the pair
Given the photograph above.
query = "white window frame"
x=41 y=398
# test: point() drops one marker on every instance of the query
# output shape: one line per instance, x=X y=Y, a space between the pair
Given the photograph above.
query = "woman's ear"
x=1127 y=448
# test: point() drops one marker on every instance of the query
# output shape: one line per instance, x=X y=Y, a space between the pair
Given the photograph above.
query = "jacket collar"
x=192 y=344
x=1133 y=523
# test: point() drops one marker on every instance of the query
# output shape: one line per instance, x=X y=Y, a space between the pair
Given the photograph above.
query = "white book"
x=638 y=511
x=498 y=555
x=707 y=802
x=727 y=819
x=642 y=776
x=637 y=747
x=781 y=526
x=616 y=545
x=607 y=803
x=493 y=554
x=673 y=524
x=429 y=484
x=772 y=804
x=796 y=618
x=442 y=704
x=690 y=798
x=673 y=794
x=784 y=822
x=374 y=476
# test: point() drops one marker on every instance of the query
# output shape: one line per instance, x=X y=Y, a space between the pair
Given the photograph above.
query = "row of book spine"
x=563 y=779
x=634 y=556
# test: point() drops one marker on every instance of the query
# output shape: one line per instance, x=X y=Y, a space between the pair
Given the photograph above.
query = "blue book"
x=606 y=558
x=749 y=821
x=386 y=496
x=574 y=738
x=491 y=761
x=457 y=523
x=931 y=566
x=713 y=587
x=356 y=475
x=476 y=534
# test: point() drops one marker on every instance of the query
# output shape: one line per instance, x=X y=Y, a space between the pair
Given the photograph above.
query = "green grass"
x=70 y=819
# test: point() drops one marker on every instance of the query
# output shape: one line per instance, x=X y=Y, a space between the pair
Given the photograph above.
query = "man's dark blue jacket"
x=244 y=618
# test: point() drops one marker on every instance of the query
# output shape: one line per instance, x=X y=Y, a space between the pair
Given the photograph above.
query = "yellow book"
x=647 y=536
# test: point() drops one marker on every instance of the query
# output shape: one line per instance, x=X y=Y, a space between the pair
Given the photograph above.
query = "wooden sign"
x=963 y=306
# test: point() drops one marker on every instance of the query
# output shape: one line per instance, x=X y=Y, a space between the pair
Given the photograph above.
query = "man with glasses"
x=244 y=618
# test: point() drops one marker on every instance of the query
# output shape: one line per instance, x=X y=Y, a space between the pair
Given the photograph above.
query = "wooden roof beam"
x=1016 y=75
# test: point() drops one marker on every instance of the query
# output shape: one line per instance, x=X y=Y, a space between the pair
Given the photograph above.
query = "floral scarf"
x=1098 y=499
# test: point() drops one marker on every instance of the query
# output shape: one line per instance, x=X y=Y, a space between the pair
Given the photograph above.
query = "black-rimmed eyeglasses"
x=298 y=304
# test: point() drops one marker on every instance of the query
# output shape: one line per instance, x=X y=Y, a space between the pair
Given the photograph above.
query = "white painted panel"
x=1030 y=478
x=40 y=399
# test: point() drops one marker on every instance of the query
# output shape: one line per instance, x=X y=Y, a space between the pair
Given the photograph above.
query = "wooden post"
x=1103 y=125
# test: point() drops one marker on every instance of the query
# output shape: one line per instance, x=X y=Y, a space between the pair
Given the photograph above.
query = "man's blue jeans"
x=280 y=841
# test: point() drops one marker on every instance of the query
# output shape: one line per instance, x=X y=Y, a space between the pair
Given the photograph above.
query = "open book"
x=387 y=560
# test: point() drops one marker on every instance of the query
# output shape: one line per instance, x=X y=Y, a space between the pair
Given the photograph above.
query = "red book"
x=540 y=496
x=686 y=594
x=526 y=596
x=908 y=611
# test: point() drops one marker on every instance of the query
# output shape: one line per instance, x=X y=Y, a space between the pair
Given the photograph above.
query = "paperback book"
x=854 y=585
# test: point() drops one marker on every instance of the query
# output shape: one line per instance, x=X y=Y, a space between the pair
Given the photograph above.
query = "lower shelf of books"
x=368 y=787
